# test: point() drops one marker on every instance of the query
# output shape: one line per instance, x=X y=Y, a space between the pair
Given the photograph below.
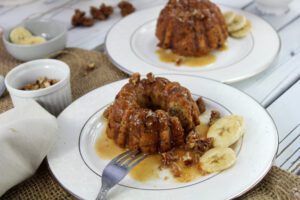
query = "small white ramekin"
x=54 y=98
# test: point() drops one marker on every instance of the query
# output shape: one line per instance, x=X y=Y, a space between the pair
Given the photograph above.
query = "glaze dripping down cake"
x=151 y=115
x=191 y=27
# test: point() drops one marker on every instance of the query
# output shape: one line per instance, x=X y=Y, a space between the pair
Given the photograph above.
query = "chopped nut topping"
x=187 y=159
x=42 y=82
x=135 y=78
x=179 y=61
x=197 y=143
x=201 y=105
x=214 y=116
x=168 y=158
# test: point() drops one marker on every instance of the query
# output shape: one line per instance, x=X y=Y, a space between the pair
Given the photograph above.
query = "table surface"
x=277 y=89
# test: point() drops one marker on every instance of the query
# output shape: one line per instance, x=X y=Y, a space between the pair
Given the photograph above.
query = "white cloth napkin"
x=26 y=136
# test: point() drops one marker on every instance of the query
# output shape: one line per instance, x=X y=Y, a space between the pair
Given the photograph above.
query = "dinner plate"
x=76 y=166
x=131 y=46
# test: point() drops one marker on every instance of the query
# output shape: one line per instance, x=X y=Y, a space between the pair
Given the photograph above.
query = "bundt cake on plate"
x=191 y=27
x=151 y=115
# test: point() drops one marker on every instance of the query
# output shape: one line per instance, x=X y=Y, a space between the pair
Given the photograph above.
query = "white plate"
x=131 y=46
x=75 y=165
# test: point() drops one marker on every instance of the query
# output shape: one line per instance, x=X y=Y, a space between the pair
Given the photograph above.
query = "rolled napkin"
x=26 y=136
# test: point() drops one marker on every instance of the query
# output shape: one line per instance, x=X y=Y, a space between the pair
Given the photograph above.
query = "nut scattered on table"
x=126 y=8
x=102 y=13
x=90 y=67
x=42 y=82
x=79 y=19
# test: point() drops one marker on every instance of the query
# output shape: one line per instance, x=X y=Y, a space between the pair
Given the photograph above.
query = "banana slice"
x=238 y=23
x=226 y=131
x=33 y=40
x=229 y=17
x=17 y=35
x=217 y=159
x=243 y=32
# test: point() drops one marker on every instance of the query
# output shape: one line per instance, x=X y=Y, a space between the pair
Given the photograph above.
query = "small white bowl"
x=56 y=35
x=273 y=7
x=54 y=98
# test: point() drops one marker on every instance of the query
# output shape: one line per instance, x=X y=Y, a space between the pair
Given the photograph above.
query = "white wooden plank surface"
x=265 y=83
x=289 y=152
x=285 y=112
x=20 y=13
x=270 y=84
x=233 y=3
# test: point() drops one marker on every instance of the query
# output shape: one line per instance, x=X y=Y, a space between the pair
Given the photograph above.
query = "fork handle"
x=102 y=194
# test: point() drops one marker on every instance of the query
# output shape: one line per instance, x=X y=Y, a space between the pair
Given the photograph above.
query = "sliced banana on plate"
x=242 y=32
x=217 y=159
x=17 y=35
x=229 y=17
x=227 y=130
x=238 y=26
x=238 y=23
x=33 y=40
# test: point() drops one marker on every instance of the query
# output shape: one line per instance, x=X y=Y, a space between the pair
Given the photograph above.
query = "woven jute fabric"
x=277 y=185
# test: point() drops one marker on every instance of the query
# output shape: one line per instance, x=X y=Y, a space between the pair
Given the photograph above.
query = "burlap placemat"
x=278 y=184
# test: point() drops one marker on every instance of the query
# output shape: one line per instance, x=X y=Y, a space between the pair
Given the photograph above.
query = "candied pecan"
x=204 y=145
x=214 y=116
x=188 y=159
x=179 y=61
x=126 y=8
x=102 y=13
x=96 y=14
x=107 y=10
x=197 y=143
x=150 y=77
x=201 y=105
x=168 y=158
x=191 y=139
x=88 y=22
x=135 y=78
x=79 y=19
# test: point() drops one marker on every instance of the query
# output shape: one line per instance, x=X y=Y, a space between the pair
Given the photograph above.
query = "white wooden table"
x=277 y=89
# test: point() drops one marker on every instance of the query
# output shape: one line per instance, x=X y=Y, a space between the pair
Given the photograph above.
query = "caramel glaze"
x=169 y=57
x=146 y=170
x=149 y=168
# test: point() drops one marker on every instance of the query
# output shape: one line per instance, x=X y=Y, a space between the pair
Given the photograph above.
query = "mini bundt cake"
x=152 y=115
x=191 y=27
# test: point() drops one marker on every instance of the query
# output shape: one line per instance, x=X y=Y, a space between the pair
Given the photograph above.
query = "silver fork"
x=117 y=169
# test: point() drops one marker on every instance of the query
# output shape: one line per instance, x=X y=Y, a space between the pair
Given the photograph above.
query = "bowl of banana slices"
x=35 y=38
